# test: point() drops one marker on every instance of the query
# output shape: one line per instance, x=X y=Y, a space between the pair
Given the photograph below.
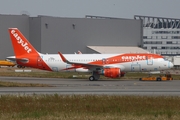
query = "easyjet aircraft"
x=109 y=65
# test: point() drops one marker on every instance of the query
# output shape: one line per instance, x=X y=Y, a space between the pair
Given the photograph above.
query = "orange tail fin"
x=20 y=44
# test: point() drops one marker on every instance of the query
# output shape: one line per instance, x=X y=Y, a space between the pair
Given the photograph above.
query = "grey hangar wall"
x=68 y=35
x=11 y=21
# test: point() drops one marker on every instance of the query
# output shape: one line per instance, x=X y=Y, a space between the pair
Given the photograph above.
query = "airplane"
x=79 y=52
x=109 y=65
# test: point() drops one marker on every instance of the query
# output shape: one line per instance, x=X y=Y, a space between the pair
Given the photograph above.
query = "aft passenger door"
x=39 y=61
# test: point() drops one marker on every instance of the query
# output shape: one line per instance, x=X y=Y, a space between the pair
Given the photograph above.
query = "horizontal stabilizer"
x=14 y=59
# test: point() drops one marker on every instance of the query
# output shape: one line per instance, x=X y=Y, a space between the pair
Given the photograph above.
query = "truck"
x=158 y=78
x=7 y=63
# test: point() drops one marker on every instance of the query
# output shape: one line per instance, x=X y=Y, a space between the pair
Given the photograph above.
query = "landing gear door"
x=149 y=60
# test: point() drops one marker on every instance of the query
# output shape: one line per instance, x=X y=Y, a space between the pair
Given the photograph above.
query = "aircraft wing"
x=79 y=64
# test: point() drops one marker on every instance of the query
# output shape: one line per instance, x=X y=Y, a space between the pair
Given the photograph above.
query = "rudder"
x=20 y=44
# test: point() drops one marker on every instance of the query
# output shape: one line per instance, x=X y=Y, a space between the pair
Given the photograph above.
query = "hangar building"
x=68 y=35
x=161 y=35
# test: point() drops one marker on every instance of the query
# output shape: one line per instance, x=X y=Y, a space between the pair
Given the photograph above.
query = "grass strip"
x=80 y=107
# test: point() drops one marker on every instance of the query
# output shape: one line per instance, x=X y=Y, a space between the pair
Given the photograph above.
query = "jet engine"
x=112 y=72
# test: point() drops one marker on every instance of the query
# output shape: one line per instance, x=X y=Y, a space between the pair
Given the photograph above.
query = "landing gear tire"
x=19 y=66
x=158 y=79
x=91 y=78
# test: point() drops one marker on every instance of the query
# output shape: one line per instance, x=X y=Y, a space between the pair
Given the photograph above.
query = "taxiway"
x=83 y=86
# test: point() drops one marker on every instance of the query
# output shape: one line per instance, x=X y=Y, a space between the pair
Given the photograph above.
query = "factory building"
x=161 y=35
x=68 y=35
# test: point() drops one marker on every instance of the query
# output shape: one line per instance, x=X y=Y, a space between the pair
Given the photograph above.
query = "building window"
x=175 y=37
x=163 y=37
x=153 y=47
x=149 y=37
x=144 y=37
x=165 y=32
x=169 y=42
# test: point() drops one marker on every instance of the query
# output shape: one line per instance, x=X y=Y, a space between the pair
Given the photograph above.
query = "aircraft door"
x=104 y=61
x=39 y=61
x=149 y=60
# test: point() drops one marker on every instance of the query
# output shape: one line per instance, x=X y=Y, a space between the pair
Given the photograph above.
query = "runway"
x=84 y=86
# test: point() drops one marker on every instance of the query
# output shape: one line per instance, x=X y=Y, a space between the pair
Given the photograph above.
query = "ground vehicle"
x=159 y=78
x=7 y=63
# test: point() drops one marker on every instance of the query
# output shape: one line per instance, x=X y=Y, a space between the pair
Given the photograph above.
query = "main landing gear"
x=95 y=76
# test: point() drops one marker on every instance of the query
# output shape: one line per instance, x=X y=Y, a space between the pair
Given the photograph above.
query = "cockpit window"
x=165 y=59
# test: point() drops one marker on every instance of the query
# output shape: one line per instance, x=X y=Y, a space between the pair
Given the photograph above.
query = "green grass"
x=44 y=74
x=80 y=107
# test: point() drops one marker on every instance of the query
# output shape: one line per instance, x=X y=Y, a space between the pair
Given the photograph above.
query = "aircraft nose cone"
x=171 y=65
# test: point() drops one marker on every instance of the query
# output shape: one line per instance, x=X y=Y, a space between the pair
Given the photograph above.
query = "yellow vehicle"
x=7 y=63
x=159 y=78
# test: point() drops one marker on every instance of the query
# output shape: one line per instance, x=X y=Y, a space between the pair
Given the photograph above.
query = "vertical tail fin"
x=26 y=54
x=20 y=44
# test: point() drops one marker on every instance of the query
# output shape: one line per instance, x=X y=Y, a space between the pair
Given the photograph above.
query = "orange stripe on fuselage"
x=122 y=58
x=127 y=57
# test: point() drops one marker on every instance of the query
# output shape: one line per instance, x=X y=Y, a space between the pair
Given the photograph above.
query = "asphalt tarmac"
x=84 y=86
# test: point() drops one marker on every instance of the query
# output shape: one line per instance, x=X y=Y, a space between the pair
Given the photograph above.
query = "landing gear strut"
x=95 y=76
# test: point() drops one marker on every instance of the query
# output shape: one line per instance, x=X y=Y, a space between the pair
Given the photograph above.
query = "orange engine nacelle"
x=112 y=72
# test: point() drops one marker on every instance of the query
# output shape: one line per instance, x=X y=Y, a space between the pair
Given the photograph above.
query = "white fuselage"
x=55 y=62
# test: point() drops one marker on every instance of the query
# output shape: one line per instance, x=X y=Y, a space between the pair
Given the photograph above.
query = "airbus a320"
x=109 y=65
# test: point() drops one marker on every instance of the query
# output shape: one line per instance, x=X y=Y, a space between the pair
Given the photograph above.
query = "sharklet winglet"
x=63 y=58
